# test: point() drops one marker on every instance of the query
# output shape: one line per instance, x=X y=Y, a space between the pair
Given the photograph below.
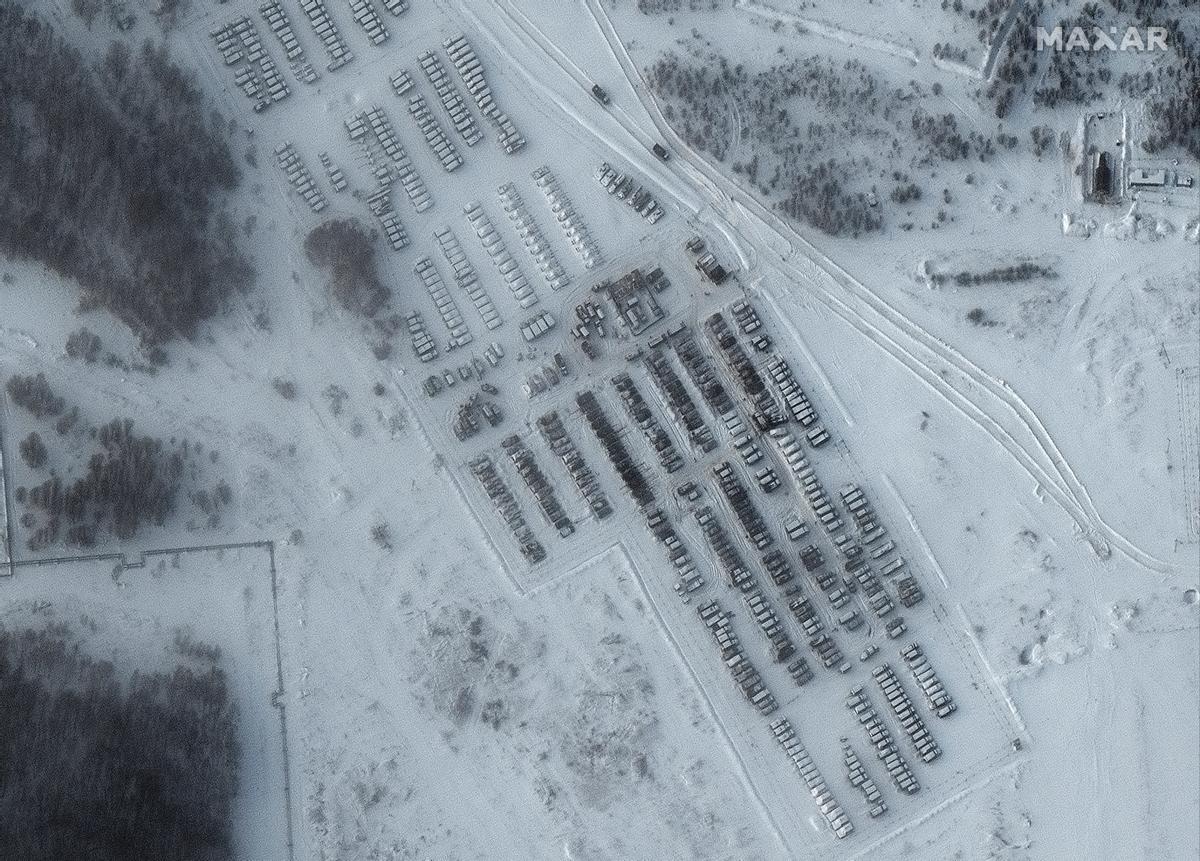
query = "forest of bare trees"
x=794 y=158
x=95 y=767
x=115 y=175
x=132 y=479
x=128 y=480
x=1170 y=82
x=1173 y=112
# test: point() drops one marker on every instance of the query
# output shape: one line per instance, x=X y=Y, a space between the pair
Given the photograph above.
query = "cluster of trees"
x=906 y=193
x=212 y=502
x=800 y=164
x=980 y=318
x=941 y=134
x=33 y=451
x=1175 y=119
x=664 y=7
x=1174 y=114
x=1042 y=137
x=116 y=12
x=1025 y=271
x=99 y=768
x=285 y=388
x=1074 y=77
x=689 y=90
x=1171 y=83
x=132 y=479
x=819 y=199
x=344 y=249
x=34 y=394
x=67 y=421
x=988 y=16
x=659 y=7
x=946 y=51
x=792 y=124
x=701 y=91
x=115 y=175
x=1020 y=59
x=1173 y=111
x=84 y=344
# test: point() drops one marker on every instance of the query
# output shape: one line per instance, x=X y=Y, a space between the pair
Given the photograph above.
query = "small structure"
x=633 y=296
x=1142 y=178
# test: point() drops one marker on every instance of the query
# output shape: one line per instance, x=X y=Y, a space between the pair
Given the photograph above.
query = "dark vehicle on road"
x=660 y=151
x=600 y=95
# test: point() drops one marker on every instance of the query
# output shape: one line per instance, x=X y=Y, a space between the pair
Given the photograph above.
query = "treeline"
x=114 y=175
x=344 y=250
x=1010 y=274
x=91 y=767
x=944 y=140
x=666 y=7
x=132 y=480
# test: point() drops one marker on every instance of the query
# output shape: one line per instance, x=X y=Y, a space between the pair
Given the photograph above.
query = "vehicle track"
x=745 y=217
x=1055 y=473
x=710 y=706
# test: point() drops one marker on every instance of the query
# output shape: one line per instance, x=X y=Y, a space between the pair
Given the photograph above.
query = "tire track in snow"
x=912 y=522
x=709 y=705
x=832 y=32
x=1055 y=471
x=817 y=370
x=814 y=267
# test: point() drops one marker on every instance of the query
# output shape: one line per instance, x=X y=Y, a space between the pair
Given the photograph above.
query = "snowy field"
x=1038 y=474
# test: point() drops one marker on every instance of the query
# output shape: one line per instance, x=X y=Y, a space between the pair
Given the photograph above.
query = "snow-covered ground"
x=444 y=699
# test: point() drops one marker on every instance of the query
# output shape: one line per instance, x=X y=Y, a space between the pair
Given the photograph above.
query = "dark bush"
x=34 y=394
x=83 y=344
x=67 y=421
x=345 y=250
x=285 y=388
x=33 y=451
x=906 y=193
